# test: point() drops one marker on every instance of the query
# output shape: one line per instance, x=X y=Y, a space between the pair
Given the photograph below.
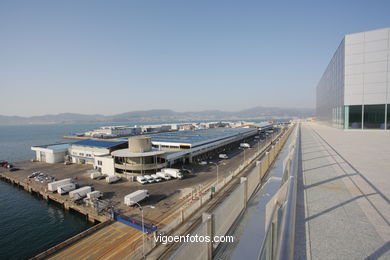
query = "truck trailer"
x=52 y=186
x=63 y=189
x=112 y=178
x=174 y=173
x=80 y=193
x=136 y=197
x=94 y=195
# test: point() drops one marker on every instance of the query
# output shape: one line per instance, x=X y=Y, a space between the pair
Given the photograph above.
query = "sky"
x=108 y=57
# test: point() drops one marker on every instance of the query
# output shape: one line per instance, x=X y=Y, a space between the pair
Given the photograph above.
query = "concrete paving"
x=343 y=209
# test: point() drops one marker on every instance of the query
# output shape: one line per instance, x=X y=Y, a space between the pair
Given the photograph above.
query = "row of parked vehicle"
x=68 y=186
x=41 y=177
x=164 y=174
x=9 y=166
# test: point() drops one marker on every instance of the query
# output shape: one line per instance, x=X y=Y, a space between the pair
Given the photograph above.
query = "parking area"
x=164 y=196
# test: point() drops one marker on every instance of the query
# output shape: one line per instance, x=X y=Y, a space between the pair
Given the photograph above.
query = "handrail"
x=280 y=231
x=287 y=237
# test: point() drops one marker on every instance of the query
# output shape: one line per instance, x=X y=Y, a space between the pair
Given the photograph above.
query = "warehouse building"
x=148 y=154
x=85 y=151
x=353 y=91
x=52 y=153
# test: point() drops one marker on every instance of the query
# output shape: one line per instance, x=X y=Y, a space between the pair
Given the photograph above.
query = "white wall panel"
x=376 y=35
x=376 y=46
x=353 y=89
x=354 y=59
x=376 y=98
x=354 y=49
x=354 y=79
x=375 y=77
x=354 y=38
x=375 y=87
x=354 y=69
x=375 y=67
x=353 y=99
x=375 y=56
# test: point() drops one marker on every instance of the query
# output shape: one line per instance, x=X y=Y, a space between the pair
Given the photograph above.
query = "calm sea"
x=28 y=224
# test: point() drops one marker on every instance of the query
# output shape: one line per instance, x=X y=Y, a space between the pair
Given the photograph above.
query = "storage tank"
x=140 y=144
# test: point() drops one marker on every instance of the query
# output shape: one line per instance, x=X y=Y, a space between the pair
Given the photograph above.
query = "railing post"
x=209 y=219
x=244 y=182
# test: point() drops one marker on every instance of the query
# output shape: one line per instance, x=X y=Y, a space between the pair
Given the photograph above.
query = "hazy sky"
x=116 y=56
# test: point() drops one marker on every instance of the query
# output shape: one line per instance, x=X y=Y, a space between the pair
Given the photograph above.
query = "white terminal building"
x=354 y=91
x=148 y=153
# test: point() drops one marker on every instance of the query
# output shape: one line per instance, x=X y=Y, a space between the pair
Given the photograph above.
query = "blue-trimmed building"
x=85 y=151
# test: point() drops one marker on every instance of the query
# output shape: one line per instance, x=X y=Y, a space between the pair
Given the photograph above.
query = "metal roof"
x=196 y=137
x=98 y=143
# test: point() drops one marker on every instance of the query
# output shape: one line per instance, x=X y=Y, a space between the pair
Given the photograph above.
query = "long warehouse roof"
x=197 y=137
x=99 y=143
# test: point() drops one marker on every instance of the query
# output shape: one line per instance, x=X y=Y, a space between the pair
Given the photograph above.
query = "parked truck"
x=94 y=195
x=112 y=178
x=52 y=186
x=164 y=175
x=80 y=193
x=95 y=175
x=245 y=145
x=174 y=173
x=63 y=189
x=136 y=197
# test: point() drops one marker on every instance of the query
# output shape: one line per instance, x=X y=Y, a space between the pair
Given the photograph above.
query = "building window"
x=388 y=117
x=89 y=155
x=99 y=162
x=81 y=154
x=355 y=117
x=374 y=116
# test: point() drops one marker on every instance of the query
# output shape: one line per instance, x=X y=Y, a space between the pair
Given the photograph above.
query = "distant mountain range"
x=162 y=115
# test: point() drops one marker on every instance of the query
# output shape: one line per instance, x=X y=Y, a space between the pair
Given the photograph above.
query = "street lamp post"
x=143 y=229
x=217 y=170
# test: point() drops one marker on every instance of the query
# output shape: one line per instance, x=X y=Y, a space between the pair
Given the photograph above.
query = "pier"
x=66 y=203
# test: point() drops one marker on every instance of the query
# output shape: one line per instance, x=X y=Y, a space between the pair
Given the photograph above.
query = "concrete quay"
x=343 y=209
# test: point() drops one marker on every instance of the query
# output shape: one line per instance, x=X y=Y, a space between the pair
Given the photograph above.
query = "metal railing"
x=280 y=221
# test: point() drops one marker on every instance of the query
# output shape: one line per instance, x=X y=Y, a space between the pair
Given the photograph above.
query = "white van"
x=142 y=179
x=223 y=156
x=149 y=178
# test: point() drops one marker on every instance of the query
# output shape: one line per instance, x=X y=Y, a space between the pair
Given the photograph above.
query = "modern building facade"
x=354 y=91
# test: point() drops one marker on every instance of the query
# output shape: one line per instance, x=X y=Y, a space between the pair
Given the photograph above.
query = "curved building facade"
x=139 y=157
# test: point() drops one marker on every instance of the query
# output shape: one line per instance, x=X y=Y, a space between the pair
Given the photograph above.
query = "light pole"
x=217 y=170
x=143 y=229
x=244 y=155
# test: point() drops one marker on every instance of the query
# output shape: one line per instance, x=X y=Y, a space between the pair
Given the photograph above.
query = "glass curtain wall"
x=367 y=117
x=355 y=117
x=374 y=117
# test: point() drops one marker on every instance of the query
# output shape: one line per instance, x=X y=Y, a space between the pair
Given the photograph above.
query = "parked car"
x=14 y=169
x=149 y=178
x=2 y=163
x=223 y=156
x=156 y=178
x=142 y=179
x=203 y=163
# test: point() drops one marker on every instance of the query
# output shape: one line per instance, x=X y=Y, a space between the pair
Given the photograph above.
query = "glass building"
x=354 y=91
